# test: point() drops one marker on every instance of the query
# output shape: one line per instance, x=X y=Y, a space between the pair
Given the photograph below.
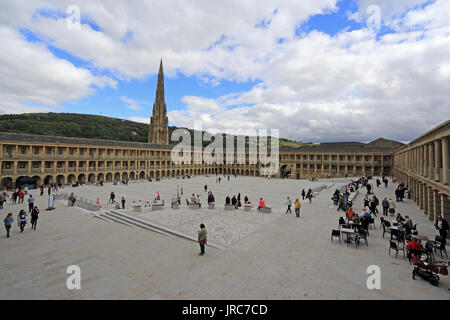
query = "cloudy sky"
x=318 y=70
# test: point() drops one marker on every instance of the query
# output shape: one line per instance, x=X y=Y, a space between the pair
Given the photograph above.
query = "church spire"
x=159 y=123
x=160 y=89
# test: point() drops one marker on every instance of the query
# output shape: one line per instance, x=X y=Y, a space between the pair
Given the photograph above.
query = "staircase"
x=135 y=222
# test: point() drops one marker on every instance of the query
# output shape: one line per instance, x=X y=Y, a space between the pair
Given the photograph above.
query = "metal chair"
x=393 y=246
x=386 y=226
x=362 y=234
x=439 y=244
x=429 y=248
x=336 y=233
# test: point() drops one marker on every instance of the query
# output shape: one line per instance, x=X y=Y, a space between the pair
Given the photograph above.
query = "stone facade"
x=423 y=165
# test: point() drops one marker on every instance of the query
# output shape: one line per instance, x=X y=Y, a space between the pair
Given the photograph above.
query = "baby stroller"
x=428 y=270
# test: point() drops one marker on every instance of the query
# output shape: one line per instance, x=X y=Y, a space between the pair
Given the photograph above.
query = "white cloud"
x=133 y=104
x=140 y=119
x=352 y=86
x=31 y=75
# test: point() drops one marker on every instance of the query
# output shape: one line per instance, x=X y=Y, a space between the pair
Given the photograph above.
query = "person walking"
x=112 y=198
x=42 y=191
x=8 y=221
x=2 y=199
x=298 y=205
x=309 y=195
x=72 y=199
x=385 y=205
x=202 y=238
x=442 y=226
x=34 y=217
x=288 y=204
x=30 y=203
x=303 y=194
x=123 y=202
x=392 y=207
x=22 y=219
x=21 y=196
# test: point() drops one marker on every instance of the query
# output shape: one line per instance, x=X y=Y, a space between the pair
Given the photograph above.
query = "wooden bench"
x=194 y=206
x=229 y=207
x=137 y=208
x=247 y=207
x=157 y=206
x=265 y=210
x=175 y=205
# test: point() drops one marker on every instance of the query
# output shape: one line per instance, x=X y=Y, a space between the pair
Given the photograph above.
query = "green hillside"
x=87 y=126
x=75 y=125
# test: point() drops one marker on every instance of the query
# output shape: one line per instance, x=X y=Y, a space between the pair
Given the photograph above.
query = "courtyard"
x=262 y=256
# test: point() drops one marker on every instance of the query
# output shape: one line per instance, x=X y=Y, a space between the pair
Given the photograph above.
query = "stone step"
x=134 y=223
x=110 y=218
x=158 y=228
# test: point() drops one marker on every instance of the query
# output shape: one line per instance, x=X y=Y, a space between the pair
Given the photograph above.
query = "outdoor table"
x=417 y=237
x=348 y=232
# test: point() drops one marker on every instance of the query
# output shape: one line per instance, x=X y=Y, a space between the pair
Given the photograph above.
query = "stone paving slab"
x=280 y=258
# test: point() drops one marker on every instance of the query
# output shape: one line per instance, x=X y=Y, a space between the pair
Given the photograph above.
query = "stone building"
x=423 y=165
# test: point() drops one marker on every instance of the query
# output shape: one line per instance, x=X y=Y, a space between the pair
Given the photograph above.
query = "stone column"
x=431 y=158
x=437 y=159
x=422 y=195
x=437 y=205
x=445 y=208
x=445 y=160
x=426 y=206
x=421 y=158
x=430 y=202
x=426 y=160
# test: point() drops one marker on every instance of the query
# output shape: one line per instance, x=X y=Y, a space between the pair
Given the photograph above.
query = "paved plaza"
x=265 y=256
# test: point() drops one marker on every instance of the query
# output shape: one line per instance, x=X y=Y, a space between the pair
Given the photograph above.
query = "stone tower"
x=159 y=123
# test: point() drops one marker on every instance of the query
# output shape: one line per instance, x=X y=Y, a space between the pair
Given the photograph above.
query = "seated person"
x=262 y=204
x=193 y=199
x=414 y=247
x=350 y=213
x=399 y=218
x=365 y=222
x=408 y=224
x=227 y=200
x=363 y=213
x=341 y=221
x=355 y=218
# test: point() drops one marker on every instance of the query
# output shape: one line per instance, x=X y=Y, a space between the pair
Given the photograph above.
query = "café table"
x=417 y=237
x=348 y=232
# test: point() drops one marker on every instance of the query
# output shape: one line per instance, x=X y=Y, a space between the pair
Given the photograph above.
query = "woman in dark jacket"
x=34 y=217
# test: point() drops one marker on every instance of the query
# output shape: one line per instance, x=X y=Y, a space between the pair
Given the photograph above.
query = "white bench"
x=175 y=205
x=157 y=206
x=137 y=208
x=194 y=206
x=229 y=207
x=247 y=207
x=265 y=210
